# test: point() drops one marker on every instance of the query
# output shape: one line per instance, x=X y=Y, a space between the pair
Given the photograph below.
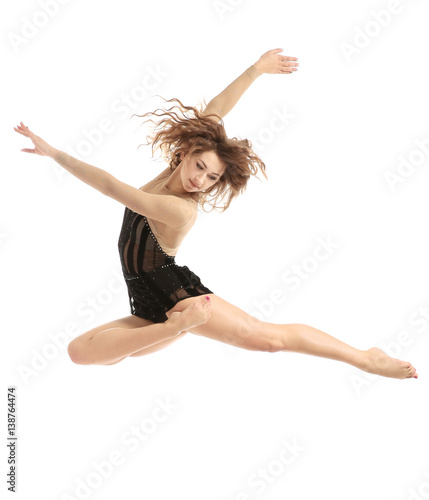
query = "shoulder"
x=188 y=205
x=163 y=175
x=186 y=210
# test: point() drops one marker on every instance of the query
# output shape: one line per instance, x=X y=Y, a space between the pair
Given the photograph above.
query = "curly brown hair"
x=199 y=133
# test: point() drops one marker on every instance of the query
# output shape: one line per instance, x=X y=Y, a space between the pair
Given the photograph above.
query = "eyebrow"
x=214 y=173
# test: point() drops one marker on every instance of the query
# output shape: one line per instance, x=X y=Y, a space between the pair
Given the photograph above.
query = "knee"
x=77 y=353
x=259 y=336
x=266 y=343
x=274 y=345
x=272 y=340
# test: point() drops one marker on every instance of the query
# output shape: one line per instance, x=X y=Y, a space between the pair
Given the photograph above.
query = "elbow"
x=213 y=112
x=107 y=184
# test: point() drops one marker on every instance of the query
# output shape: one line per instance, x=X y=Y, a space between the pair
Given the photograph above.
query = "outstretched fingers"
x=288 y=65
x=25 y=131
x=22 y=129
x=41 y=148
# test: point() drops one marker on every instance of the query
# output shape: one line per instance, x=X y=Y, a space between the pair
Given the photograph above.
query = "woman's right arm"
x=270 y=62
x=171 y=210
x=93 y=176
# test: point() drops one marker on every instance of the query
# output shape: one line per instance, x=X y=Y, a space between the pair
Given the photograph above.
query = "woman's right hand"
x=273 y=62
x=41 y=147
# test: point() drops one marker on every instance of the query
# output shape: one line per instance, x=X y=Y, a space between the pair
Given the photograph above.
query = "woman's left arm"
x=270 y=62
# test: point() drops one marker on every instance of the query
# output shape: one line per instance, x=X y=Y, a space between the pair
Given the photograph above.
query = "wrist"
x=54 y=153
x=258 y=68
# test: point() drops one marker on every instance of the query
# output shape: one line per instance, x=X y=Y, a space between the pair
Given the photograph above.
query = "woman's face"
x=200 y=170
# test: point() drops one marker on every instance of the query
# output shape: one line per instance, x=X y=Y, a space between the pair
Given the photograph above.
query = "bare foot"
x=382 y=364
x=195 y=314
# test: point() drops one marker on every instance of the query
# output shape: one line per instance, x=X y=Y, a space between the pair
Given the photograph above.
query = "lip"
x=193 y=185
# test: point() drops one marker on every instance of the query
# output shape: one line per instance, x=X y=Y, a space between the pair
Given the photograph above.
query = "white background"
x=351 y=119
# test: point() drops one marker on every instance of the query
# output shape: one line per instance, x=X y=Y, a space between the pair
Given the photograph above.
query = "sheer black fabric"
x=155 y=282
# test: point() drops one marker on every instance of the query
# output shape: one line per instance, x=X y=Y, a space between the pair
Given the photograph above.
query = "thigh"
x=131 y=321
x=231 y=325
x=158 y=346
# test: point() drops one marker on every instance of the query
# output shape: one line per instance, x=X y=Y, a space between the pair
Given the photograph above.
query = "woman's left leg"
x=110 y=343
x=232 y=325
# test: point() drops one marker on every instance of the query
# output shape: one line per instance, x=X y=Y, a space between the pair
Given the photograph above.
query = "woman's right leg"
x=232 y=325
x=114 y=341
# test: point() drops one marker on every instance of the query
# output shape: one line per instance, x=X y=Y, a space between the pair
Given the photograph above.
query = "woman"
x=168 y=300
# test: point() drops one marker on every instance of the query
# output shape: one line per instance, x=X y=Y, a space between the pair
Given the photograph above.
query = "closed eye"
x=200 y=167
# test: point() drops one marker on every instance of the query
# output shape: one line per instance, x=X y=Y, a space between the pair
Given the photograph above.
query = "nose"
x=198 y=182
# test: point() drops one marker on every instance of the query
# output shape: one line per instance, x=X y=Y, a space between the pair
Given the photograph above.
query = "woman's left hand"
x=41 y=147
x=273 y=62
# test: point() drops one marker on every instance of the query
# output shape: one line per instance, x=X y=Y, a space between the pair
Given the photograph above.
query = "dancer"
x=166 y=300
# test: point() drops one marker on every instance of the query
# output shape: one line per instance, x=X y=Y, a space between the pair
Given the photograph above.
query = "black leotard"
x=155 y=282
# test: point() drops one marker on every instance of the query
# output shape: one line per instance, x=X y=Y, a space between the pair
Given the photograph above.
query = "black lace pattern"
x=155 y=282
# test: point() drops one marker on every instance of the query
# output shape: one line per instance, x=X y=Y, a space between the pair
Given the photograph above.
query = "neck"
x=173 y=185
